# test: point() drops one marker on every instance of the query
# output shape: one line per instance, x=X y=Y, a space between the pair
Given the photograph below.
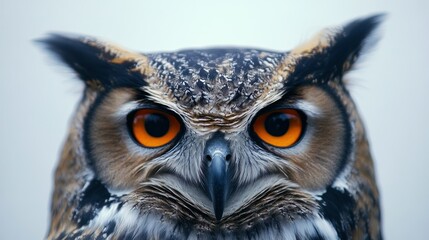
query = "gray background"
x=38 y=96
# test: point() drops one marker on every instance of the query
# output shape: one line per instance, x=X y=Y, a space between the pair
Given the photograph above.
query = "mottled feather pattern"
x=233 y=77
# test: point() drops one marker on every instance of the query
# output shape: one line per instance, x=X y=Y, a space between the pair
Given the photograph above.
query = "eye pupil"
x=153 y=128
x=277 y=124
x=157 y=125
x=279 y=128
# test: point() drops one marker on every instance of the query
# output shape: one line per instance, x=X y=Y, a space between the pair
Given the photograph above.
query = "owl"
x=222 y=143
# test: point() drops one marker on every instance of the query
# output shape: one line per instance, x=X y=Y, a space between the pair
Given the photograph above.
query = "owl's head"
x=216 y=142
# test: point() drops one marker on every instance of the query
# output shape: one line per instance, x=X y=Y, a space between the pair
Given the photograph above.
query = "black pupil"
x=156 y=125
x=277 y=124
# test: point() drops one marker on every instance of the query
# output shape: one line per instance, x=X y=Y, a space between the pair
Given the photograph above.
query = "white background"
x=37 y=96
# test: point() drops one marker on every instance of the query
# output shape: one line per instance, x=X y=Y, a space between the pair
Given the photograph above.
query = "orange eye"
x=279 y=128
x=154 y=128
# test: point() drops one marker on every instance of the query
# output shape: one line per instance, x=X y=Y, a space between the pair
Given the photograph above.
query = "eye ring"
x=281 y=128
x=153 y=128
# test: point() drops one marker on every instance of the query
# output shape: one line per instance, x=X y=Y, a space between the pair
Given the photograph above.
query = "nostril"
x=228 y=157
x=208 y=158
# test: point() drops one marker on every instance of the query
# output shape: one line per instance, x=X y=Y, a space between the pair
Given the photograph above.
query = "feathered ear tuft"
x=101 y=66
x=332 y=52
x=348 y=43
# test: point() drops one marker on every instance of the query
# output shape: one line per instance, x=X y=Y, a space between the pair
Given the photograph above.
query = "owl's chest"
x=123 y=222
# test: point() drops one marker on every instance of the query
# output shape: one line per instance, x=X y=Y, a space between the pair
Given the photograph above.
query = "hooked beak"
x=218 y=154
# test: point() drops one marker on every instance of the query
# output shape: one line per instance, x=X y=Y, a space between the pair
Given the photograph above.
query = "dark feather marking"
x=338 y=207
x=109 y=228
x=94 y=197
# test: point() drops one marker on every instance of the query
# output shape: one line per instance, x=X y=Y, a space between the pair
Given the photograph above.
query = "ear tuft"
x=354 y=37
x=332 y=52
x=99 y=65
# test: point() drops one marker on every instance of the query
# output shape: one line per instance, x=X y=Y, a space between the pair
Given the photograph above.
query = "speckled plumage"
x=323 y=187
x=217 y=77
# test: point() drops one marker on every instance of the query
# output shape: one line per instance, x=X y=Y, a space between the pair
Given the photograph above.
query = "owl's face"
x=219 y=143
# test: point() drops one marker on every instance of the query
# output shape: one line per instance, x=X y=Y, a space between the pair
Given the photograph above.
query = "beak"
x=218 y=154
